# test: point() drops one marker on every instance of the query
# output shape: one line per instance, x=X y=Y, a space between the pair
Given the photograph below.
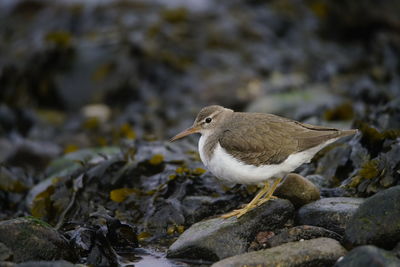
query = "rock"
x=315 y=252
x=7 y=264
x=329 y=213
x=318 y=180
x=297 y=190
x=32 y=239
x=31 y=154
x=368 y=256
x=5 y=253
x=219 y=238
x=60 y=263
x=377 y=221
x=396 y=250
x=305 y=232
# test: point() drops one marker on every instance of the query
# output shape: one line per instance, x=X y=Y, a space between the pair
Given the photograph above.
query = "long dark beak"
x=186 y=132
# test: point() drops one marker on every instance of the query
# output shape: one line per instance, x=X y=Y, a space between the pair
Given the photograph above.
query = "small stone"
x=33 y=239
x=314 y=252
x=330 y=213
x=300 y=233
x=377 y=221
x=297 y=190
x=263 y=237
x=368 y=256
x=219 y=238
x=5 y=253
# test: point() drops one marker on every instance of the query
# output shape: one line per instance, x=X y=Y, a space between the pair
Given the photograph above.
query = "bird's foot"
x=263 y=196
x=240 y=212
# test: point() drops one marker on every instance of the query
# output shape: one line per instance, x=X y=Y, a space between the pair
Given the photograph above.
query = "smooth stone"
x=32 y=239
x=297 y=190
x=219 y=238
x=5 y=253
x=303 y=232
x=315 y=252
x=370 y=256
x=377 y=221
x=330 y=213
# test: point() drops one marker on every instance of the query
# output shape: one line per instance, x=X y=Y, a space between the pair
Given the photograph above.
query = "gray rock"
x=318 y=180
x=377 y=221
x=330 y=213
x=298 y=190
x=297 y=233
x=33 y=239
x=5 y=253
x=7 y=264
x=396 y=250
x=219 y=238
x=315 y=252
x=368 y=256
x=60 y=263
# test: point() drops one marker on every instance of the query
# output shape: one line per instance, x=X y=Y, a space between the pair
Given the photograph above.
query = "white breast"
x=227 y=168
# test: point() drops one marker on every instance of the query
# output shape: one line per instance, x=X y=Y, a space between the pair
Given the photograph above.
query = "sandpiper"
x=252 y=148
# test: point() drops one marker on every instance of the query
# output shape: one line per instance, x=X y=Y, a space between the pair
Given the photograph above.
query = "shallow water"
x=148 y=258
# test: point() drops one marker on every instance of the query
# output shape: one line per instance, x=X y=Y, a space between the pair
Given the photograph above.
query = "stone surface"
x=32 y=239
x=219 y=238
x=377 y=221
x=60 y=263
x=5 y=253
x=330 y=213
x=305 y=232
x=396 y=250
x=297 y=190
x=315 y=252
x=370 y=256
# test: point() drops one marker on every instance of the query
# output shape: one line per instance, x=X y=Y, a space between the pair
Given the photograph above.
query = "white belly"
x=225 y=167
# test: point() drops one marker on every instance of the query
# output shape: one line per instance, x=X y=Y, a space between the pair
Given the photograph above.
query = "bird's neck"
x=207 y=144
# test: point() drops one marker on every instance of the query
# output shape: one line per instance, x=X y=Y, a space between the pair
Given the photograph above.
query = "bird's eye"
x=208 y=120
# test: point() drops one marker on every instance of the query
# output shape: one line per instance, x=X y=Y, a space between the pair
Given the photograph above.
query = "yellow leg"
x=269 y=195
x=263 y=196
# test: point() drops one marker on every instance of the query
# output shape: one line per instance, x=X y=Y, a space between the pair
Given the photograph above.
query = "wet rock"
x=32 y=239
x=396 y=250
x=219 y=238
x=305 y=232
x=60 y=263
x=297 y=190
x=330 y=213
x=30 y=154
x=377 y=221
x=314 y=252
x=368 y=256
x=318 y=180
x=5 y=253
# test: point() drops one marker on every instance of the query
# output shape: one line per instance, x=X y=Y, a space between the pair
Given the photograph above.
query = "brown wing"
x=272 y=139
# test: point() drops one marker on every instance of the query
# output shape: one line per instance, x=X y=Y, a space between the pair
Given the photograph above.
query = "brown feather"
x=263 y=139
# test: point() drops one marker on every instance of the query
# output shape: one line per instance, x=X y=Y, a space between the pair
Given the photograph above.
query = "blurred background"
x=95 y=73
x=86 y=73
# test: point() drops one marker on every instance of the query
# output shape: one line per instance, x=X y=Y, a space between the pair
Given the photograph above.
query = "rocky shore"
x=91 y=90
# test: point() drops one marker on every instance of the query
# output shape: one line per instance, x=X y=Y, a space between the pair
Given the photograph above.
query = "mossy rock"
x=32 y=239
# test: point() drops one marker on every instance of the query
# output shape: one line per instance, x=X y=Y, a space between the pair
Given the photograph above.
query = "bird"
x=255 y=148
